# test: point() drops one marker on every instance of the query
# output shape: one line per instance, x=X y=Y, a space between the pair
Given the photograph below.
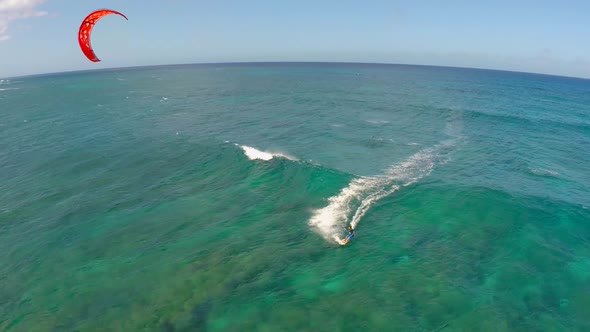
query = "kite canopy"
x=86 y=28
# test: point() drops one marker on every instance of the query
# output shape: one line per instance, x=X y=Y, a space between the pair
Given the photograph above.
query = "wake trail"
x=353 y=202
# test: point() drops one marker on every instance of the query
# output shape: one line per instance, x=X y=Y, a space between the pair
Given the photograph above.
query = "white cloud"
x=11 y=10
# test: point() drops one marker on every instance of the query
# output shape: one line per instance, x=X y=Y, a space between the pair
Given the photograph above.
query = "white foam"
x=543 y=172
x=363 y=192
x=377 y=122
x=253 y=154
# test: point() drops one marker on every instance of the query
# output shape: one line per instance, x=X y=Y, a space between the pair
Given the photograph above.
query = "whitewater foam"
x=253 y=154
x=543 y=172
x=377 y=122
x=353 y=202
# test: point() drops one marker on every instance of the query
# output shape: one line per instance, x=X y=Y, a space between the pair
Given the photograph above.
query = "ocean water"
x=211 y=197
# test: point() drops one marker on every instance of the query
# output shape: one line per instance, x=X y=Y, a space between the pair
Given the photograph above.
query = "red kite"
x=86 y=28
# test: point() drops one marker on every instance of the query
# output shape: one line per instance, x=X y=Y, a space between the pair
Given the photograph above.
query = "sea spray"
x=353 y=202
x=253 y=154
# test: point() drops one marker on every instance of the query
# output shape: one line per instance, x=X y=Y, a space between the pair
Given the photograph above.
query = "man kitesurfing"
x=349 y=236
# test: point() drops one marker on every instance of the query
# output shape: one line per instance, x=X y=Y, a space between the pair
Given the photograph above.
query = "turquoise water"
x=188 y=198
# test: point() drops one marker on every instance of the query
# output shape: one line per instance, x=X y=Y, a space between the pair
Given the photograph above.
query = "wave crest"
x=254 y=154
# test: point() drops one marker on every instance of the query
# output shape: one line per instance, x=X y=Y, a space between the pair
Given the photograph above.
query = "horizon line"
x=283 y=62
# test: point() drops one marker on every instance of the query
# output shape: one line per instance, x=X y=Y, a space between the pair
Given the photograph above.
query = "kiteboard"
x=344 y=241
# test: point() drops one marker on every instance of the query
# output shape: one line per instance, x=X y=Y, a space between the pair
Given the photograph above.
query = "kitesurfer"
x=349 y=236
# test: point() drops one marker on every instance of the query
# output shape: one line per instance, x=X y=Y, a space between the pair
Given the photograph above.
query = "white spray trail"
x=365 y=191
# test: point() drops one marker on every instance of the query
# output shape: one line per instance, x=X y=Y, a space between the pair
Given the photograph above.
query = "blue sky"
x=552 y=37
